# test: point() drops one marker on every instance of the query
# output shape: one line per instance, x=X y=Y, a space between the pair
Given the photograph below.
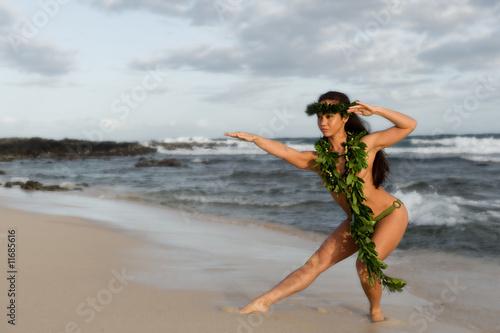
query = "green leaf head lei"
x=322 y=108
x=349 y=184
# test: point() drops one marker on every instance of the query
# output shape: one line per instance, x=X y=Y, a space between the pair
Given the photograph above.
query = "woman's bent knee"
x=361 y=269
x=316 y=265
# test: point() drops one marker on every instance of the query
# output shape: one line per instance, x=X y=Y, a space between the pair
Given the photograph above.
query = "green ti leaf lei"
x=348 y=183
x=324 y=108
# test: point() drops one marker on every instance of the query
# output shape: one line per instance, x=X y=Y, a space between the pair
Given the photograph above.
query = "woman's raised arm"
x=403 y=125
x=303 y=160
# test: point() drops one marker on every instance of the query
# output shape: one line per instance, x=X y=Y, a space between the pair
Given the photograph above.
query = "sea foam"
x=458 y=145
x=432 y=209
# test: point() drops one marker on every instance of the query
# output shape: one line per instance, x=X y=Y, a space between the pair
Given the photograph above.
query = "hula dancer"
x=353 y=167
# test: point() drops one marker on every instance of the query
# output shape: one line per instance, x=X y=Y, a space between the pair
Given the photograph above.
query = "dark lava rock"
x=20 y=148
x=168 y=163
x=32 y=185
x=55 y=188
x=10 y=184
x=145 y=163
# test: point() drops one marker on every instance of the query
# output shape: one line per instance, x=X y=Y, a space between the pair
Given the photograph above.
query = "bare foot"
x=376 y=314
x=255 y=306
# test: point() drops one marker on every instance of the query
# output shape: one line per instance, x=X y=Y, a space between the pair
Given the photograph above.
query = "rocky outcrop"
x=34 y=185
x=145 y=163
x=24 y=148
x=20 y=148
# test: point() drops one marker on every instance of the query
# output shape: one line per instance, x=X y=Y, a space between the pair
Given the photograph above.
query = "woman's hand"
x=242 y=136
x=363 y=109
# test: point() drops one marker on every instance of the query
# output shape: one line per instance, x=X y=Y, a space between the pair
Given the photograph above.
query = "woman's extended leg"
x=338 y=246
x=388 y=233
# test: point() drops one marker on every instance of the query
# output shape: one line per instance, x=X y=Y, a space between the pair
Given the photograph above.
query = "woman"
x=355 y=185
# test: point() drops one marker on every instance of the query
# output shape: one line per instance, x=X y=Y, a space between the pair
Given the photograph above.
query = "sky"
x=152 y=69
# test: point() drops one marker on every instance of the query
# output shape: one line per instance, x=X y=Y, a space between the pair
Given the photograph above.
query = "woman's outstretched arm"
x=303 y=160
x=403 y=125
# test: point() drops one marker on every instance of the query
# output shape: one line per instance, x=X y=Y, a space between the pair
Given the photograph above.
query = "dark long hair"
x=354 y=124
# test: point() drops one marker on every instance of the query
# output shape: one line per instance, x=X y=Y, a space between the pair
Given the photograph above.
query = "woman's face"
x=331 y=124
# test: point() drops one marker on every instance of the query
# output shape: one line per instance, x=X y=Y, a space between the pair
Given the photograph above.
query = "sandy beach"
x=90 y=265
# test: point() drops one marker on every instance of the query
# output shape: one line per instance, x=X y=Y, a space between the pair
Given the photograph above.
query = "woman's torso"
x=377 y=199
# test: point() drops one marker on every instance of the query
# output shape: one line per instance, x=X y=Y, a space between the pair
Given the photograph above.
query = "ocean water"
x=448 y=183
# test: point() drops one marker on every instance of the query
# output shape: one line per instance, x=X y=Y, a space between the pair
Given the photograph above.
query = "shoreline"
x=185 y=274
x=445 y=214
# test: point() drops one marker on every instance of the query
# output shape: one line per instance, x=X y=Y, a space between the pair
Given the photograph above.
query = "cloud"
x=42 y=81
x=22 y=50
x=342 y=40
x=39 y=57
x=466 y=54
x=210 y=12
x=198 y=12
x=438 y=18
x=404 y=50
x=201 y=57
x=264 y=48
x=170 y=7
x=271 y=40
x=239 y=93
x=7 y=15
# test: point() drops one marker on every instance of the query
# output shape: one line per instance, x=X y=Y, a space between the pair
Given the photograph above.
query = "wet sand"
x=90 y=265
